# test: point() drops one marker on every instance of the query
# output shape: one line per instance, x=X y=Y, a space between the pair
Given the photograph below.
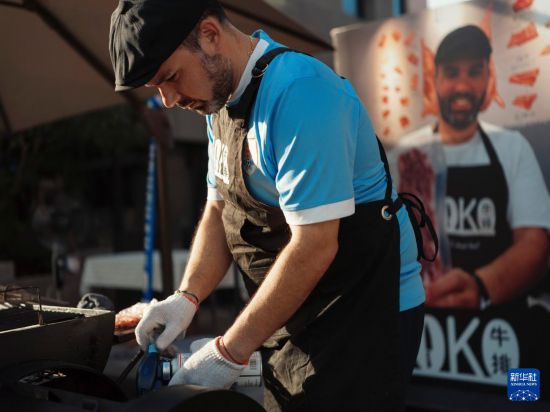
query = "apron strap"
x=493 y=158
x=242 y=109
x=387 y=195
x=413 y=203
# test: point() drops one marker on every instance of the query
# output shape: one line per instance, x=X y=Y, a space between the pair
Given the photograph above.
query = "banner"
x=392 y=66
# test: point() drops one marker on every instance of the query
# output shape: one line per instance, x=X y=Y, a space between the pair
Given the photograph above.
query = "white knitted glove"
x=208 y=367
x=174 y=314
x=197 y=344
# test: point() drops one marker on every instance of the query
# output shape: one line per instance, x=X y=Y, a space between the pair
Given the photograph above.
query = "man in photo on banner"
x=497 y=207
x=299 y=196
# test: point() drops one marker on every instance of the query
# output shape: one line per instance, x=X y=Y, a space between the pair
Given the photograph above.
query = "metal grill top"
x=23 y=316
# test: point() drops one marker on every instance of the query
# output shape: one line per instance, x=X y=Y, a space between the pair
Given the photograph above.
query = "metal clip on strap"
x=242 y=109
x=259 y=71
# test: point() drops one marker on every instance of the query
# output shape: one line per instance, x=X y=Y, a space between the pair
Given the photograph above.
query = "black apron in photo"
x=340 y=350
x=477 y=202
x=478 y=230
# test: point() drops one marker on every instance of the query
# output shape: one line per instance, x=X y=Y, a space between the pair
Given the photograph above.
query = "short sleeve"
x=313 y=141
x=529 y=204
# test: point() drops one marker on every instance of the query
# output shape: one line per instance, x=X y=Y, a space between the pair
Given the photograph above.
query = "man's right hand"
x=174 y=314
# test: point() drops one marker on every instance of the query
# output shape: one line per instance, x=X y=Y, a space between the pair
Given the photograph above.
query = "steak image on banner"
x=488 y=292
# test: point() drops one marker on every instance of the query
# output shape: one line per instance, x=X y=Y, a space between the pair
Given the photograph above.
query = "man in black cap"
x=497 y=205
x=299 y=197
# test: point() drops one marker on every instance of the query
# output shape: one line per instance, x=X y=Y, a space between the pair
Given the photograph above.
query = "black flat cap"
x=144 y=33
x=465 y=42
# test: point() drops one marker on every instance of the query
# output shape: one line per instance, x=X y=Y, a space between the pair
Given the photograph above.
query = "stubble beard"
x=461 y=120
x=220 y=73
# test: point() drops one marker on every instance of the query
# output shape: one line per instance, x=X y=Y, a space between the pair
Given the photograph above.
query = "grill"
x=52 y=358
x=20 y=317
x=30 y=331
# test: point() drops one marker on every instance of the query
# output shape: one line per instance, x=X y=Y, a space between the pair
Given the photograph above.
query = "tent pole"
x=158 y=127
x=165 y=237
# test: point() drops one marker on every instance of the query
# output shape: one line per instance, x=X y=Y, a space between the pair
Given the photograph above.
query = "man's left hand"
x=455 y=289
x=208 y=367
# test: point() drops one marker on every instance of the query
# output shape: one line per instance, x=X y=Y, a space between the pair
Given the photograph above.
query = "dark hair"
x=465 y=42
x=214 y=9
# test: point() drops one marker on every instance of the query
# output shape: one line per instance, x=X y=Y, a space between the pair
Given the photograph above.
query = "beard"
x=460 y=119
x=220 y=73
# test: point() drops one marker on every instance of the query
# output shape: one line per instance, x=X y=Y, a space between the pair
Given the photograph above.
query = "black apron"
x=340 y=350
x=477 y=211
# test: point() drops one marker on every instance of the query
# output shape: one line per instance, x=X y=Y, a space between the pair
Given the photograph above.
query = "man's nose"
x=169 y=96
x=463 y=83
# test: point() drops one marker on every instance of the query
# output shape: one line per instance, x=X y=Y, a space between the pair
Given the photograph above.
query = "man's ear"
x=488 y=66
x=210 y=31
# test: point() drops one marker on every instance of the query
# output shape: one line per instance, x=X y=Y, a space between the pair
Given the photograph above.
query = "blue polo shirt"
x=311 y=150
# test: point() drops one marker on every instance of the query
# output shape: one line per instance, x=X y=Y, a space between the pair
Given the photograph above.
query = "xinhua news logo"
x=523 y=385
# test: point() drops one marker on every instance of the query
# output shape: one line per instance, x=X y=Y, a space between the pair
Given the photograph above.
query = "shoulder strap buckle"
x=259 y=71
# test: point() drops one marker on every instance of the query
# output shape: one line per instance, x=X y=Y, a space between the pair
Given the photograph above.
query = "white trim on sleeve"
x=213 y=194
x=321 y=213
